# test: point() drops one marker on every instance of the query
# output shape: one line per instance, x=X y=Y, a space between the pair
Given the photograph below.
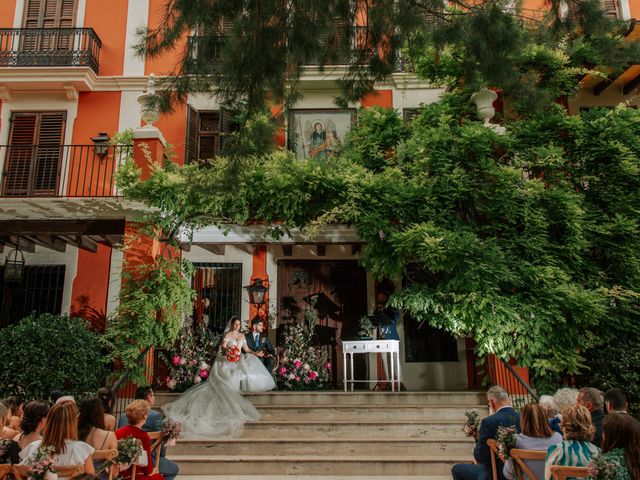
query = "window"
x=218 y=289
x=32 y=163
x=424 y=343
x=40 y=292
x=50 y=13
x=206 y=133
x=410 y=114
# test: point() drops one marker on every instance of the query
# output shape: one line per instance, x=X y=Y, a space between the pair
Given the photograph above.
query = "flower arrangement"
x=302 y=366
x=233 y=354
x=472 y=424
x=5 y=444
x=189 y=363
x=601 y=469
x=41 y=464
x=365 y=326
x=129 y=449
x=171 y=431
x=506 y=440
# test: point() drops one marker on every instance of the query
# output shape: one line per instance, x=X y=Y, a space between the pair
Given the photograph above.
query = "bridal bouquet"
x=601 y=469
x=506 y=440
x=171 y=431
x=233 y=354
x=41 y=464
x=472 y=425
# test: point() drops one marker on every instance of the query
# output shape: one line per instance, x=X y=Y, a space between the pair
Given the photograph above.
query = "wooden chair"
x=5 y=469
x=521 y=469
x=493 y=448
x=22 y=471
x=156 y=445
x=105 y=456
x=562 y=473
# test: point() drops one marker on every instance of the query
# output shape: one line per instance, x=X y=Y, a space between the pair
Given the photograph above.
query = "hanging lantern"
x=14 y=266
x=101 y=144
x=256 y=292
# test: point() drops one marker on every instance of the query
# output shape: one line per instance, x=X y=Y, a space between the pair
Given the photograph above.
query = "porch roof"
x=258 y=234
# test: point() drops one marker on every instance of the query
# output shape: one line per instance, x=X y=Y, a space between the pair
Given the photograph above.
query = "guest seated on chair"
x=616 y=401
x=536 y=435
x=34 y=420
x=106 y=396
x=621 y=445
x=137 y=413
x=91 y=427
x=576 y=450
x=9 y=454
x=551 y=411
x=593 y=400
x=16 y=404
x=61 y=433
x=502 y=415
x=154 y=424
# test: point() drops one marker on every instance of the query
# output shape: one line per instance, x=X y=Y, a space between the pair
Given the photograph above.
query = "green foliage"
x=48 y=352
x=153 y=299
x=526 y=242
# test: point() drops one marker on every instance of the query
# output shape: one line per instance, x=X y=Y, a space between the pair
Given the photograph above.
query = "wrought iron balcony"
x=49 y=47
x=50 y=170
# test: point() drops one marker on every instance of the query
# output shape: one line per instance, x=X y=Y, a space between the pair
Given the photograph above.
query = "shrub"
x=46 y=352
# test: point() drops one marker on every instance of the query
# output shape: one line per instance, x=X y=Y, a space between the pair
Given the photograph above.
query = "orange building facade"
x=69 y=78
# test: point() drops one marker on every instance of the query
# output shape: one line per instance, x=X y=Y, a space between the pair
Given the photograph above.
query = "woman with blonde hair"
x=61 y=433
x=576 y=450
x=536 y=434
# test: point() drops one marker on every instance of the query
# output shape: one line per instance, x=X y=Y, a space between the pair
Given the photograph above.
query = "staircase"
x=322 y=435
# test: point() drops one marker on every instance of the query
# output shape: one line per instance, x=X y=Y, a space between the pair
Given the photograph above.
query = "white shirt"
x=256 y=336
x=76 y=453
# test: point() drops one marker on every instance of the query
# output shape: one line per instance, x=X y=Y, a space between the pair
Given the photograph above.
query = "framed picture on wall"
x=319 y=134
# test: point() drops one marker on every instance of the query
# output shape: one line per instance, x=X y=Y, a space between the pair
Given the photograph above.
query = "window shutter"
x=192 y=135
x=225 y=126
x=32 y=15
x=33 y=155
x=611 y=8
x=50 y=13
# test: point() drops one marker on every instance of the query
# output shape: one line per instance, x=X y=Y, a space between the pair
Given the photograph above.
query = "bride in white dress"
x=216 y=408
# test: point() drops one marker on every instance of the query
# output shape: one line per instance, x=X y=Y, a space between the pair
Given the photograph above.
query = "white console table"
x=392 y=347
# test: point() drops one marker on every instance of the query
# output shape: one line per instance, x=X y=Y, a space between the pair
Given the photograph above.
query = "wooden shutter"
x=226 y=126
x=50 y=13
x=34 y=153
x=611 y=8
x=192 y=135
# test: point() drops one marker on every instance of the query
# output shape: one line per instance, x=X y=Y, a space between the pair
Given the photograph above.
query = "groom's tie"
x=256 y=337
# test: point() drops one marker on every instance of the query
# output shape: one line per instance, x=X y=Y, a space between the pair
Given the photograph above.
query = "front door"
x=338 y=292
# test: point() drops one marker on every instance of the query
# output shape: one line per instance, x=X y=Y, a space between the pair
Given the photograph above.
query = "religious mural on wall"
x=319 y=134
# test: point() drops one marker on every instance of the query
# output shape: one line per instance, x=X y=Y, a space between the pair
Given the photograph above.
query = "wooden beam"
x=321 y=249
x=83 y=242
x=287 y=250
x=631 y=85
x=356 y=248
x=185 y=246
x=248 y=248
x=62 y=227
x=50 y=242
x=115 y=241
x=602 y=86
x=215 y=248
x=22 y=243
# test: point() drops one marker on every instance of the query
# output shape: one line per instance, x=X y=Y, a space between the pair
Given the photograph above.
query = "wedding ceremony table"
x=391 y=347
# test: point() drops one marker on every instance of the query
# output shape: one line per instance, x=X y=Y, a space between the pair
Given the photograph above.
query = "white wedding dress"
x=215 y=408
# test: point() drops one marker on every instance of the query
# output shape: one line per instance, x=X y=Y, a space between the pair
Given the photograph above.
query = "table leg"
x=352 y=375
x=398 y=369
x=344 y=370
x=393 y=380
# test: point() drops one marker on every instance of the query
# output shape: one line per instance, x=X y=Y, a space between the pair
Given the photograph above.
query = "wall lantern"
x=484 y=99
x=256 y=292
x=149 y=111
x=101 y=144
x=14 y=266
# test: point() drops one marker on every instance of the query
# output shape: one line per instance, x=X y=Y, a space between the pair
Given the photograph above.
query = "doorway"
x=337 y=290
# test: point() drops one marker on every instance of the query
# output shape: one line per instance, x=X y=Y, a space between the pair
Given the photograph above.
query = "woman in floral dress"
x=621 y=445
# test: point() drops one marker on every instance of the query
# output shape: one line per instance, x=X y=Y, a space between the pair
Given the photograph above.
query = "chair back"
x=522 y=470
x=105 y=456
x=5 y=469
x=493 y=448
x=562 y=473
x=22 y=471
x=156 y=446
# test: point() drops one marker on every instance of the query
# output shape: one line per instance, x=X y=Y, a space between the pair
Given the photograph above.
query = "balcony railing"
x=60 y=170
x=49 y=47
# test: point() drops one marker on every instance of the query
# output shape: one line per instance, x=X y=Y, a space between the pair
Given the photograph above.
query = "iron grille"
x=49 y=47
x=40 y=292
x=218 y=288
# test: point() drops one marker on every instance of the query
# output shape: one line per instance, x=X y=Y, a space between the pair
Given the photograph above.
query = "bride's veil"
x=233 y=318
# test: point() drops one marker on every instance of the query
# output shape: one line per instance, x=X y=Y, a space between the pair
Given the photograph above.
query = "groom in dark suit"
x=258 y=342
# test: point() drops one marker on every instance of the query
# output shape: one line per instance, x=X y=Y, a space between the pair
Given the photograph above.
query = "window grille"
x=218 y=289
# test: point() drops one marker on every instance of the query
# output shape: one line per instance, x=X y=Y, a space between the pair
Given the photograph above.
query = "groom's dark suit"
x=262 y=344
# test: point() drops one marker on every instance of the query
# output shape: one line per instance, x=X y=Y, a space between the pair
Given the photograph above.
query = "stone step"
x=314 y=477
x=425 y=428
x=462 y=398
x=315 y=465
x=366 y=412
x=359 y=447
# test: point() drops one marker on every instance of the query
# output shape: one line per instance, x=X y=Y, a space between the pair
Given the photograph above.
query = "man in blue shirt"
x=502 y=415
x=153 y=424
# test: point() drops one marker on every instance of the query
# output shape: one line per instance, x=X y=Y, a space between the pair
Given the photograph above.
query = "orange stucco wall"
x=280 y=136
x=90 y=286
x=109 y=20
x=97 y=112
x=7 y=12
x=634 y=7
x=166 y=63
x=380 y=98
x=174 y=129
